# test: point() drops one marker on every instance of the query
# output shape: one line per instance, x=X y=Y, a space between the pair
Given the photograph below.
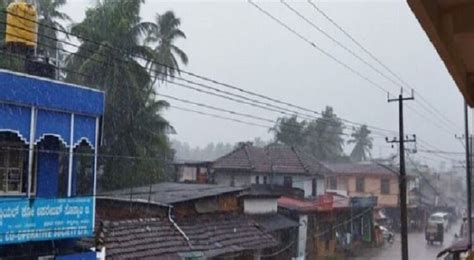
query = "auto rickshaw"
x=434 y=232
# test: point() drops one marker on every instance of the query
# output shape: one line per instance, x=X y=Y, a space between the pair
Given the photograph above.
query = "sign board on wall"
x=39 y=219
x=364 y=202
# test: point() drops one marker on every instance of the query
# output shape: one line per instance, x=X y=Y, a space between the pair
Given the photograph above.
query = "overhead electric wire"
x=218 y=116
x=344 y=120
x=373 y=83
x=345 y=32
x=221 y=91
x=195 y=75
x=312 y=44
x=216 y=108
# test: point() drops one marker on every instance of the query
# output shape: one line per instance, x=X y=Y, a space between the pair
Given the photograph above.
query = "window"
x=257 y=179
x=287 y=182
x=11 y=169
x=84 y=169
x=332 y=183
x=360 y=184
x=385 y=186
x=13 y=164
x=264 y=179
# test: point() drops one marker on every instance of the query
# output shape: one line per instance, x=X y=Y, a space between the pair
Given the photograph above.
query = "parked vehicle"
x=440 y=218
x=434 y=232
x=387 y=235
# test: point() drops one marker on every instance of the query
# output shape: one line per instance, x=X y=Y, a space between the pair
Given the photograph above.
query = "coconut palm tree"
x=133 y=124
x=363 y=144
x=163 y=36
x=50 y=19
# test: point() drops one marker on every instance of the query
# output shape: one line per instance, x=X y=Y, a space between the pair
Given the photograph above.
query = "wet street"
x=417 y=246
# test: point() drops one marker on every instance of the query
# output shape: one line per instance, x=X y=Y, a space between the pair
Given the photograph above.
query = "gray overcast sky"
x=233 y=42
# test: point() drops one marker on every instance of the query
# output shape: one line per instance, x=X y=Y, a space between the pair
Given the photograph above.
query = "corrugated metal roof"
x=170 y=192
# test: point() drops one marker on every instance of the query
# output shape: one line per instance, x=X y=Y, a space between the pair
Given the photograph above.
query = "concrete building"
x=49 y=134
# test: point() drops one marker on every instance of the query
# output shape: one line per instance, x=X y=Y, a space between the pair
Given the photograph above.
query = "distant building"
x=48 y=161
x=193 y=172
x=280 y=166
x=363 y=179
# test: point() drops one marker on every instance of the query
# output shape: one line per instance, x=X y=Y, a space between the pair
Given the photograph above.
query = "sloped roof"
x=274 y=221
x=211 y=235
x=312 y=205
x=245 y=157
x=171 y=192
x=275 y=158
x=357 y=168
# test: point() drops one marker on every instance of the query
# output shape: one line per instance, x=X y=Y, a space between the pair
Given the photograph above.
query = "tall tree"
x=3 y=20
x=289 y=131
x=323 y=136
x=50 y=20
x=363 y=144
x=163 y=36
x=134 y=126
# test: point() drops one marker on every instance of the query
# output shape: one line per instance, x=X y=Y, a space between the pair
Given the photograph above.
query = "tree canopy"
x=134 y=127
x=362 y=144
x=322 y=137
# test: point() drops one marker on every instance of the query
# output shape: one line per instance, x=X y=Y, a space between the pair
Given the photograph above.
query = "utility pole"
x=402 y=183
x=468 y=173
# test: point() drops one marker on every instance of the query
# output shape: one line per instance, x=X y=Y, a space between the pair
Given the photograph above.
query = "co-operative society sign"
x=45 y=219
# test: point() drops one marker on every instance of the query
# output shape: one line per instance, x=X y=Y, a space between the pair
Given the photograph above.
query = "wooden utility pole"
x=402 y=177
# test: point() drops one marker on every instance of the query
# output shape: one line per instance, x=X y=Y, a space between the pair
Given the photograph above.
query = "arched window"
x=13 y=164
x=83 y=170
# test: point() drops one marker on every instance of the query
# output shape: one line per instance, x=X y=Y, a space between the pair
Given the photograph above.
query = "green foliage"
x=48 y=18
x=3 y=20
x=324 y=136
x=134 y=126
x=363 y=144
x=321 y=137
x=163 y=36
x=289 y=131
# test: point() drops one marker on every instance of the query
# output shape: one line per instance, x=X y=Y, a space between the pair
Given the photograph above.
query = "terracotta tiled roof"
x=276 y=158
x=211 y=235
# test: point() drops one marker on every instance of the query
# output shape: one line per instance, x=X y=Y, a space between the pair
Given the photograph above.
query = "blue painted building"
x=49 y=136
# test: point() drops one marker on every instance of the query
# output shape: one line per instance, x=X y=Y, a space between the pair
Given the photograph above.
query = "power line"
x=215 y=89
x=190 y=73
x=332 y=21
x=293 y=31
x=243 y=97
x=312 y=44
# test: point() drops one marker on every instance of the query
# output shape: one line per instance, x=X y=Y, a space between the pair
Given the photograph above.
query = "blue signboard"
x=24 y=220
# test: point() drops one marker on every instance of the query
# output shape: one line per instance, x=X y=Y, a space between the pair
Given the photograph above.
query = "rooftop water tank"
x=22 y=26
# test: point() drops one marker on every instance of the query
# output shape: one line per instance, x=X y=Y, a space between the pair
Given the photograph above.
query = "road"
x=417 y=247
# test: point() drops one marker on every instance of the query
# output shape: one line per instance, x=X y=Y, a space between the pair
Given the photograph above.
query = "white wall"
x=302 y=236
x=304 y=183
x=240 y=179
x=260 y=205
x=321 y=186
